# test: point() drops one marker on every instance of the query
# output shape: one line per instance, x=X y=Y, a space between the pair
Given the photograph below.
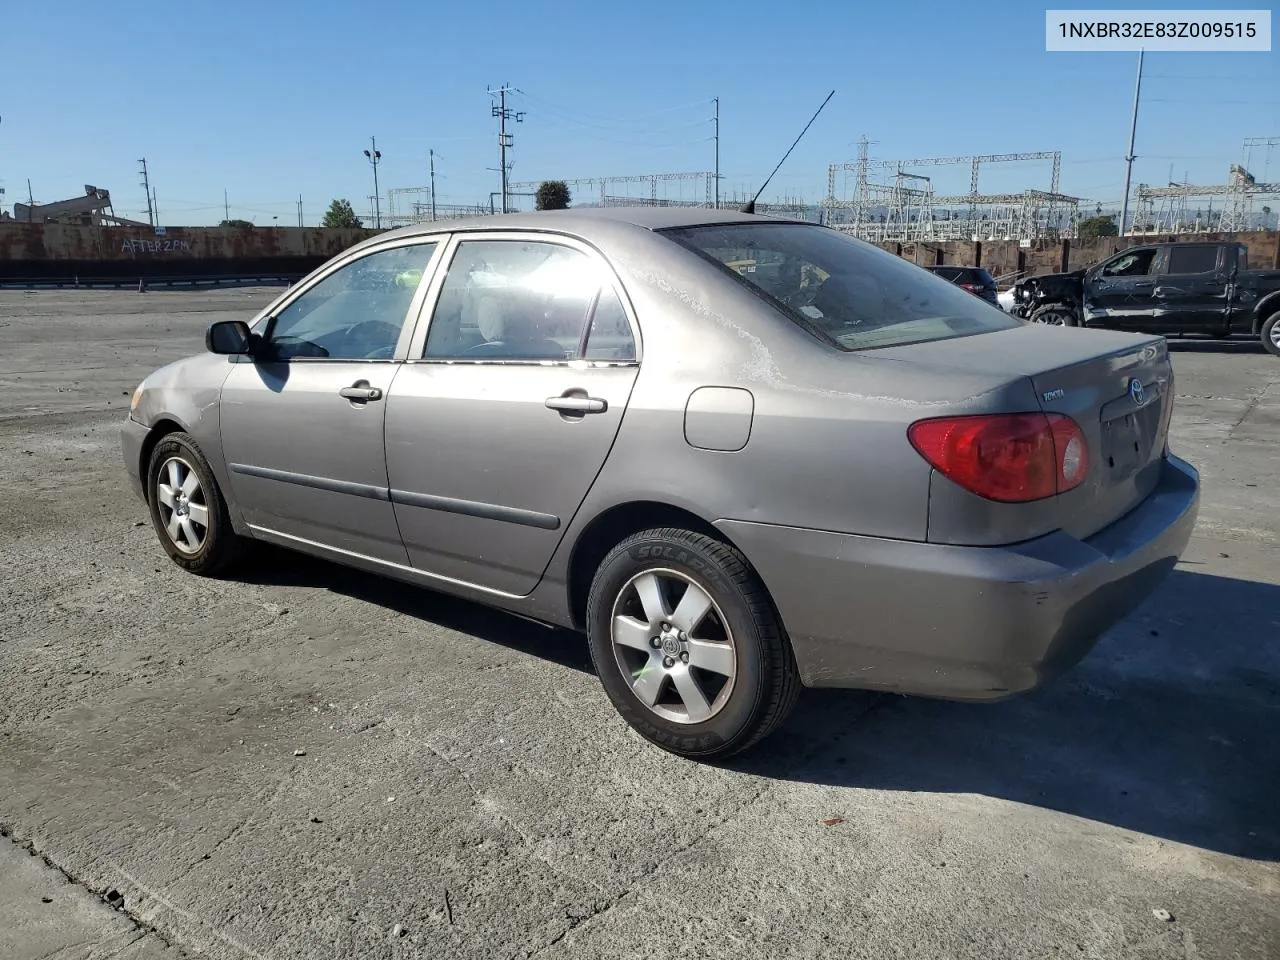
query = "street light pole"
x=717 y=135
x=374 y=156
x=1129 y=157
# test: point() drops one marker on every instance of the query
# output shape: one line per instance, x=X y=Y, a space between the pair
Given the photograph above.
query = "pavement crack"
x=599 y=909
x=212 y=850
x=490 y=805
x=1250 y=407
x=142 y=935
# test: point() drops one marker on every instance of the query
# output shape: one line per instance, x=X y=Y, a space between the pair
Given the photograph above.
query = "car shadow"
x=1245 y=345
x=1168 y=728
x=275 y=566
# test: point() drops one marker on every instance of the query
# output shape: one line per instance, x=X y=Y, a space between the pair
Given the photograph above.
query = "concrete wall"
x=37 y=241
x=59 y=251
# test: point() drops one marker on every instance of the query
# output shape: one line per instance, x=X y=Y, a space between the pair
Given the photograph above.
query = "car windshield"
x=855 y=295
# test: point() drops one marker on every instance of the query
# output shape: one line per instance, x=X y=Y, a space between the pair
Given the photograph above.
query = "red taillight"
x=971 y=287
x=1012 y=458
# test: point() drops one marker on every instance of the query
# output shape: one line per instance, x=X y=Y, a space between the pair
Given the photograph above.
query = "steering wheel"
x=374 y=331
x=488 y=346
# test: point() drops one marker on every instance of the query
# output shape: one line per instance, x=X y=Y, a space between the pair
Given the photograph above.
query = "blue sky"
x=276 y=98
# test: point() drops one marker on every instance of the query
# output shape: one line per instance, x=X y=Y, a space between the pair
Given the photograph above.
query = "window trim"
x=265 y=320
x=416 y=345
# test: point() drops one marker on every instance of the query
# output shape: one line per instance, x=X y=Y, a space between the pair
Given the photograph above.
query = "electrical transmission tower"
x=505 y=140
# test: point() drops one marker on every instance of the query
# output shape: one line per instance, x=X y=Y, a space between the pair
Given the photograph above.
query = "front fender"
x=186 y=393
x=1265 y=308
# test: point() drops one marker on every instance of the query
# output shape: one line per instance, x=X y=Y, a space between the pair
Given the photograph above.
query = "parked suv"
x=974 y=279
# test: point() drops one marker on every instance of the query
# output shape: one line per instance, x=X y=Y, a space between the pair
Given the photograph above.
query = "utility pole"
x=30 y=202
x=299 y=209
x=505 y=140
x=374 y=156
x=155 y=206
x=717 y=120
x=432 y=155
x=1129 y=157
x=146 y=188
x=226 y=208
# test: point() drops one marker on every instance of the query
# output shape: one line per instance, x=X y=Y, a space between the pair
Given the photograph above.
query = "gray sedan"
x=742 y=455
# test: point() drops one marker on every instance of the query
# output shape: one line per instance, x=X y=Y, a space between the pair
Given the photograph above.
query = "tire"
x=1055 y=314
x=176 y=458
x=740 y=632
x=1271 y=334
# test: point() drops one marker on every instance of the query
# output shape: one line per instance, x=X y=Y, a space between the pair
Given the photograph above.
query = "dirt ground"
x=467 y=791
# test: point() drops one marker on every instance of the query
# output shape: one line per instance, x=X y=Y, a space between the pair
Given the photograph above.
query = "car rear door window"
x=355 y=313
x=1191 y=259
x=513 y=299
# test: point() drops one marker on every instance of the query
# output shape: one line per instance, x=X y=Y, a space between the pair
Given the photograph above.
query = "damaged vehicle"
x=742 y=455
x=1165 y=288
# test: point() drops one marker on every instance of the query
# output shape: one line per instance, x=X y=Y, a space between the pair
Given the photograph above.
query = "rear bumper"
x=964 y=623
x=132 y=435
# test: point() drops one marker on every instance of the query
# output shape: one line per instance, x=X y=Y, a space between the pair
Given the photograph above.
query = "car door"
x=507 y=408
x=1191 y=291
x=302 y=419
x=1118 y=292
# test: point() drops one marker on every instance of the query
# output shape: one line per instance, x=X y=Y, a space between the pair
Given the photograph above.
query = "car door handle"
x=1143 y=284
x=360 y=391
x=577 y=404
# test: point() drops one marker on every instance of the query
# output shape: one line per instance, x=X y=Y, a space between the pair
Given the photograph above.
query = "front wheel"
x=187 y=508
x=687 y=644
x=1055 y=314
x=1271 y=334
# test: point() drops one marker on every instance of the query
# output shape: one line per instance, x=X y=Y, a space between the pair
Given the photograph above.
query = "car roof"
x=581 y=220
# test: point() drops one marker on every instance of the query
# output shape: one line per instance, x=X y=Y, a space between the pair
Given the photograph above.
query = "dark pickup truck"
x=1164 y=288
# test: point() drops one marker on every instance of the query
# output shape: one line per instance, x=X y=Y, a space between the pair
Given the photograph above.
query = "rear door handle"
x=577 y=404
x=360 y=390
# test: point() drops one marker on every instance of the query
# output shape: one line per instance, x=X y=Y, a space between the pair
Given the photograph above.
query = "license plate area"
x=1122 y=445
x=1129 y=433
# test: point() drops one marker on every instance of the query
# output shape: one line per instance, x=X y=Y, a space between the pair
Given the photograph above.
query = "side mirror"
x=228 y=337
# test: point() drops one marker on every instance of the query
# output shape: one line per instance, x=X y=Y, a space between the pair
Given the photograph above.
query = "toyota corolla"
x=742 y=455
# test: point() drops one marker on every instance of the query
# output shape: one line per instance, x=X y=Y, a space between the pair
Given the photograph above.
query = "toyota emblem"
x=1136 y=391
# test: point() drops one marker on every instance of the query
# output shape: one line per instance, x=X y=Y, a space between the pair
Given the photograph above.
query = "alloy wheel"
x=674 y=646
x=184 y=509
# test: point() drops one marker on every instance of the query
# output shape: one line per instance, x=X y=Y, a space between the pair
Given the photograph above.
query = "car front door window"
x=355 y=313
x=1135 y=264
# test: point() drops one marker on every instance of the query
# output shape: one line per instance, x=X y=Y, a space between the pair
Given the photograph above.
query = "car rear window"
x=852 y=294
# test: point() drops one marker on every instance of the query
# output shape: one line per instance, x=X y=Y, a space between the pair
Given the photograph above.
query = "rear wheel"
x=687 y=644
x=1055 y=314
x=1271 y=334
x=187 y=508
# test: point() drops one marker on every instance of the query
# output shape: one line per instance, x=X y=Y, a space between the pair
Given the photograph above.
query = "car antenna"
x=750 y=206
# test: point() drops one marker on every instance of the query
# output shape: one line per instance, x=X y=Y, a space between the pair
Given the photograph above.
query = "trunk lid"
x=1089 y=376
